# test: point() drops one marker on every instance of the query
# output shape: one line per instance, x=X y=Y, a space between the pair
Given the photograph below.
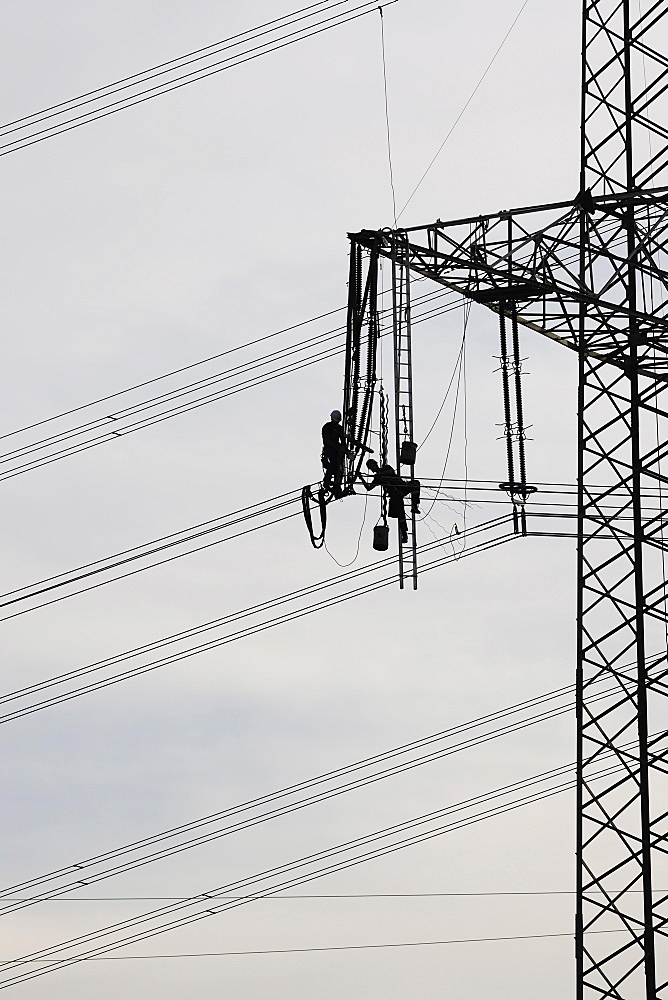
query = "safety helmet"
x=335 y=415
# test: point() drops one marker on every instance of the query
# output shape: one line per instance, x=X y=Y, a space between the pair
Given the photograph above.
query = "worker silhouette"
x=333 y=453
x=395 y=489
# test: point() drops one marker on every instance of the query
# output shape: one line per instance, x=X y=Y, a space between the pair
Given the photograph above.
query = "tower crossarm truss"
x=531 y=256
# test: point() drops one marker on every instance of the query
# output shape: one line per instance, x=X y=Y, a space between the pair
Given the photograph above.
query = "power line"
x=133 y=90
x=153 y=547
x=176 y=371
x=106 y=427
x=316 y=895
x=313 y=791
x=341 y=947
x=160 y=66
x=109 y=427
x=304 y=869
x=323 y=787
x=141 y=552
x=185 y=368
x=29 y=593
x=498 y=536
x=558 y=780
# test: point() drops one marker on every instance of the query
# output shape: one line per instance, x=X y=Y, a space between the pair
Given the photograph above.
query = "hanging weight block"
x=381 y=537
x=408 y=453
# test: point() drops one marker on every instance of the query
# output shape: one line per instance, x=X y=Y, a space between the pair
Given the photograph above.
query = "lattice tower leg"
x=622 y=709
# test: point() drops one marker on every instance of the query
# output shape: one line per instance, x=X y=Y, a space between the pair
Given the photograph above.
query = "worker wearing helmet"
x=333 y=453
x=395 y=489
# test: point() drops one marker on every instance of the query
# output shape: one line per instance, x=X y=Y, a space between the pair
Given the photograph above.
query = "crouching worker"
x=333 y=453
x=395 y=489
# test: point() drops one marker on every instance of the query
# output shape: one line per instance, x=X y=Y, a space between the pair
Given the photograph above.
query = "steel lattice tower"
x=591 y=273
x=621 y=579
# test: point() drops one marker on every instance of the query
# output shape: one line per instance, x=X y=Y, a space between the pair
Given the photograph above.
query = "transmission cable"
x=189 y=367
x=498 y=538
x=334 y=947
x=92 y=871
x=284 y=801
x=176 y=371
x=305 y=869
x=186 y=536
x=110 y=426
x=83 y=868
x=316 y=340
x=326 y=895
x=107 y=426
x=493 y=532
x=161 y=66
x=97 y=104
x=154 y=547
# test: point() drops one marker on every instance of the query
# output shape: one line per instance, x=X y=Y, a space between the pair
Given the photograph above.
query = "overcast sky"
x=174 y=231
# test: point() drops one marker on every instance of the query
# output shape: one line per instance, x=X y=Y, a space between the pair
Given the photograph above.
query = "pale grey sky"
x=171 y=232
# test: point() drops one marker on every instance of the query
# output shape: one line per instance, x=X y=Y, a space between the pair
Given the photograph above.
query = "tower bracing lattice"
x=591 y=273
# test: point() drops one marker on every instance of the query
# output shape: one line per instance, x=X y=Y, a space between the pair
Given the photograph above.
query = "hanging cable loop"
x=317 y=541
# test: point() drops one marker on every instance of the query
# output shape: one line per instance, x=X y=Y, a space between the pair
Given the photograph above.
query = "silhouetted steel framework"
x=591 y=274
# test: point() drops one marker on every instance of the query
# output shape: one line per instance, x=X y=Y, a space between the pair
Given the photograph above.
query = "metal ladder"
x=403 y=396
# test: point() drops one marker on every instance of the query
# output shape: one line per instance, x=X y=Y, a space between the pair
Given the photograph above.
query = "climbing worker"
x=333 y=453
x=395 y=489
x=407 y=486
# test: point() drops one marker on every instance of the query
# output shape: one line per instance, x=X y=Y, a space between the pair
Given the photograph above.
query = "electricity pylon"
x=590 y=273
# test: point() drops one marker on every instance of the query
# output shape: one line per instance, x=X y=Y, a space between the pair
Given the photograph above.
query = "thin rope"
x=460 y=371
x=387 y=118
x=461 y=113
x=359 y=539
x=467 y=308
x=448 y=535
x=445 y=398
